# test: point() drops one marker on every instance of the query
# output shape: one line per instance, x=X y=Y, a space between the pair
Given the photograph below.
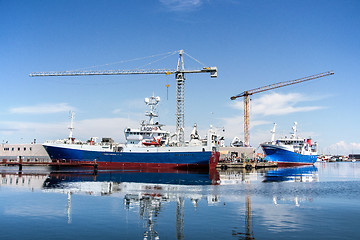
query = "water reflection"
x=293 y=174
x=146 y=190
x=243 y=204
x=149 y=191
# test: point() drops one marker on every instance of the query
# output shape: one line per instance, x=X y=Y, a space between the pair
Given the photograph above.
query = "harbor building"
x=27 y=152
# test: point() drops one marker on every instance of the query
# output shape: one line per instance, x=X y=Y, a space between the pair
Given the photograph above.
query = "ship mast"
x=152 y=102
x=294 y=130
x=71 y=128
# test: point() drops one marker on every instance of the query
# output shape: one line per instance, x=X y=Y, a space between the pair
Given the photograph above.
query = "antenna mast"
x=71 y=128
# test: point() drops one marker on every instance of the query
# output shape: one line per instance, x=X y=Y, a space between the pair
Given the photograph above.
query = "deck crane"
x=246 y=95
x=179 y=77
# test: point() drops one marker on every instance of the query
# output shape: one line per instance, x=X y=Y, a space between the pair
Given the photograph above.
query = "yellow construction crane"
x=246 y=95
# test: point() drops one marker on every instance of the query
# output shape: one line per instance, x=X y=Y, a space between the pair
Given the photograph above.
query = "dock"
x=245 y=165
x=56 y=164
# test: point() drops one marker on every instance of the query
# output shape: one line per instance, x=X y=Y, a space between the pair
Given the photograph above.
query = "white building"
x=27 y=152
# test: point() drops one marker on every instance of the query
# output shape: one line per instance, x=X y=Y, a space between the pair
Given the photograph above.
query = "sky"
x=252 y=43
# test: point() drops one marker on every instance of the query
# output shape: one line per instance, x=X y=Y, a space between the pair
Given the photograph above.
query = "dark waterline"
x=320 y=202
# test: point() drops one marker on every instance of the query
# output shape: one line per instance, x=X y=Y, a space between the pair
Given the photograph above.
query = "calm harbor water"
x=317 y=202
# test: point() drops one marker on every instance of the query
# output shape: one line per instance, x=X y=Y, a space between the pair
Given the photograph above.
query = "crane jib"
x=281 y=84
x=211 y=70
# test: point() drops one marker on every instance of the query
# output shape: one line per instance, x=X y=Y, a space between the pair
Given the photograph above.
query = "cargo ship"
x=146 y=147
x=290 y=151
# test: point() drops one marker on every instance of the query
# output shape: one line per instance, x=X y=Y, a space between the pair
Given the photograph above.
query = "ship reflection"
x=293 y=174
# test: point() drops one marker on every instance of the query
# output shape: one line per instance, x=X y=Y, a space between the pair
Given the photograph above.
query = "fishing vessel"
x=290 y=151
x=146 y=147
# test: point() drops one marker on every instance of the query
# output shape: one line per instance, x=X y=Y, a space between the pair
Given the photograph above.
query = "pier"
x=245 y=165
x=57 y=164
x=241 y=157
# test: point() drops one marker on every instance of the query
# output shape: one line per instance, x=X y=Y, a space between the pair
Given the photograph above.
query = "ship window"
x=18 y=149
x=24 y=148
x=12 y=149
x=30 y=149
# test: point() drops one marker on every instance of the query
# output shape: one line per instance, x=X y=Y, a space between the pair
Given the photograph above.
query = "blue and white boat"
x=290 y=151
x=147 y=147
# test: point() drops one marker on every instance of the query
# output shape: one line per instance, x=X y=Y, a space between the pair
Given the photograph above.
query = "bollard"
x=20 y=163
x=95 y=167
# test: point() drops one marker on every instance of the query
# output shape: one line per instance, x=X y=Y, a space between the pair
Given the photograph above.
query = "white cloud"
x=103 y=127
x=278 y=104
x=234 y=126
x=42 y=109
x=343 y=147
x=83 y=129
x=117 y=111
x=182 y=5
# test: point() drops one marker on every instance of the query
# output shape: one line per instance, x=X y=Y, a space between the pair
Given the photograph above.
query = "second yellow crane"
x=246 y=95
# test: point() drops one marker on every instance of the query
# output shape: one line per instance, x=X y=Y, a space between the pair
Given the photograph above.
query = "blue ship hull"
x=285 y=157
x=135 y=160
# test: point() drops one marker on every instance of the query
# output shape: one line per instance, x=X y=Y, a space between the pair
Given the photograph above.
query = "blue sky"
x=252 y=43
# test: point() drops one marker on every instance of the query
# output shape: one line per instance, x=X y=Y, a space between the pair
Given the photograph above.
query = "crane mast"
x=246 y=95
x=179 y=77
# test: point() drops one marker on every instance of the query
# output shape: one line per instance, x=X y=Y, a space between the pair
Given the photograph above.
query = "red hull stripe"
x=136 y=166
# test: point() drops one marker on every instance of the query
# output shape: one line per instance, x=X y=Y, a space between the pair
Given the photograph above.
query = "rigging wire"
x=130 y=60
x=158 y=60
x=196 y=60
